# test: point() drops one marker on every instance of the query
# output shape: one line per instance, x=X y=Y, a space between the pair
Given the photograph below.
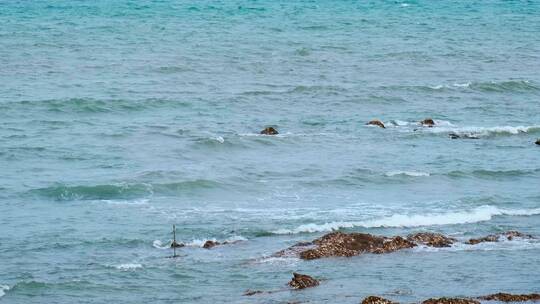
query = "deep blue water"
x=119 y=119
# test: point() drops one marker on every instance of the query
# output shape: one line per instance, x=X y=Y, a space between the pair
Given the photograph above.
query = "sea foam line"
x=479 y=214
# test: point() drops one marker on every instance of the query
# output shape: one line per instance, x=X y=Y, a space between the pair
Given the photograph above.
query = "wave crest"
x=479 y=214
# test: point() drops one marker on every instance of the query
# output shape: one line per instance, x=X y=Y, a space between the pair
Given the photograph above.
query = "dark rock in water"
x=431 y=239
x=301 y=281
x=269 y=131
x=454 y=136
x=509 y=235
x=342 y=244
x=377 y=300
x=210 y=244
x=466 y=136
x=507 y=297
x=428 y=122
x=537 y=141
x=376 y=123
x=450 y=301
x=175 y=244
x=250 y=292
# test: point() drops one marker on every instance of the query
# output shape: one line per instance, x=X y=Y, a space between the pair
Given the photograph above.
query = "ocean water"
x=119 y=119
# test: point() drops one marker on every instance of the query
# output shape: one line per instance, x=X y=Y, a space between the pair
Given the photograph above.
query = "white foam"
x=126 y=202
x=485 y=131
x=219 y=139
x=3 y=289
x=159 y=245
x=128 y=266
x=479 y=214
x=408 y=173
x=201 y=242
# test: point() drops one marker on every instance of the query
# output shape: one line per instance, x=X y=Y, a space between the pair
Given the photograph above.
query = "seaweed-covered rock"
x=269 y=131
x=210 y=244
x=450 y=301
x=351 y=244
x=301 y=281
x=509 y=235
x=507 y=297
x=377 y=300
x=376 y=123
x=431 y=239
x=428 y=122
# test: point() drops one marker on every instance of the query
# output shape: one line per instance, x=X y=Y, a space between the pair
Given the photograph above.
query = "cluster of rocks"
x=428 y=122
x=501 y=297
x=339 y=244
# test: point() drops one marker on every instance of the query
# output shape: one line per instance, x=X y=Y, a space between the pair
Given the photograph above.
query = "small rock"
x=538 y=142
x=431 y=239
x=507 y=297
x=376 y=123
x=269 y=131
x=450 y=301
x=301 y=281
x=175 y=244
x=509 y=235
x=210 y=244
x=428 y=122
x=250 y=292
x=377 y=300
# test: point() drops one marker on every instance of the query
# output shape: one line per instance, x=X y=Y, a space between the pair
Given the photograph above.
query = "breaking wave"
x=407 y=173
x=128 y=266
x=479 y=214
x=3 y=289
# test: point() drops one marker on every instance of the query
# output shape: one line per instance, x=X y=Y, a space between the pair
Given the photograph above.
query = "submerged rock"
x=465 y=136
x=250 y=292
x=175 y=244
x=346 y=245
x=210 y=244
x=509 y=235
x=377 y=300
x=376 y=123
x=431 y=239
x=428 y=122
x=450 y=301
x=507 y=297
x=301 y=281
x=269 y=131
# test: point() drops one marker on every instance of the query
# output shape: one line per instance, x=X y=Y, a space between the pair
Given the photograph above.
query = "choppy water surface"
x=119 y=119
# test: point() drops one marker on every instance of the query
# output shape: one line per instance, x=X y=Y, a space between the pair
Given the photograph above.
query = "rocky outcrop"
x=428 y=122
x=509 y=235
x=301 y=281
x=269 y=131
x=339 y=244
x=450 y=301
x=376 y=123
x=377 y=300
x=431 y=239
x=507 y=297
x=175 y=244
x=346 y=245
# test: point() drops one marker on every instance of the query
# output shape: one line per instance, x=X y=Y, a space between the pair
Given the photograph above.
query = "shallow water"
x=120 y=119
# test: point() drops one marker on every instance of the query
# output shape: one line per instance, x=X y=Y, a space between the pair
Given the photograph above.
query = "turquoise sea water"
x=121 y=118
